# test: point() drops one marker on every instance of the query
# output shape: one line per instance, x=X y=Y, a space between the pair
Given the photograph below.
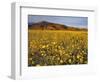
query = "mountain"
x=44 y=25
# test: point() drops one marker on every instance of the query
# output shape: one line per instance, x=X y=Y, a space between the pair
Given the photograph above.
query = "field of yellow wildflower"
x=57 y=47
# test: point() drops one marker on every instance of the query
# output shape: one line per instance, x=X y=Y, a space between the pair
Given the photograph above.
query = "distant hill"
x=44 y=25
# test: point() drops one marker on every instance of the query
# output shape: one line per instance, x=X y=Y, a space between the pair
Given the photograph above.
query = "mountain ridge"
x=45 y=25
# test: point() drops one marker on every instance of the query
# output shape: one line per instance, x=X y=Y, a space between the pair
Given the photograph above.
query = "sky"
x=81 y=22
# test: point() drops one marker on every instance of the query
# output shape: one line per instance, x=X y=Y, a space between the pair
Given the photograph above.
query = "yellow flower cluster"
x=57 y=47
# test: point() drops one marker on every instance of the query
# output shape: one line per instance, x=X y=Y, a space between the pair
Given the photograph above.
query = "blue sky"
x=66 y=20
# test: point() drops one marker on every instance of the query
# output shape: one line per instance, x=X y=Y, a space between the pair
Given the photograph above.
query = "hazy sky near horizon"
x=66 y=20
